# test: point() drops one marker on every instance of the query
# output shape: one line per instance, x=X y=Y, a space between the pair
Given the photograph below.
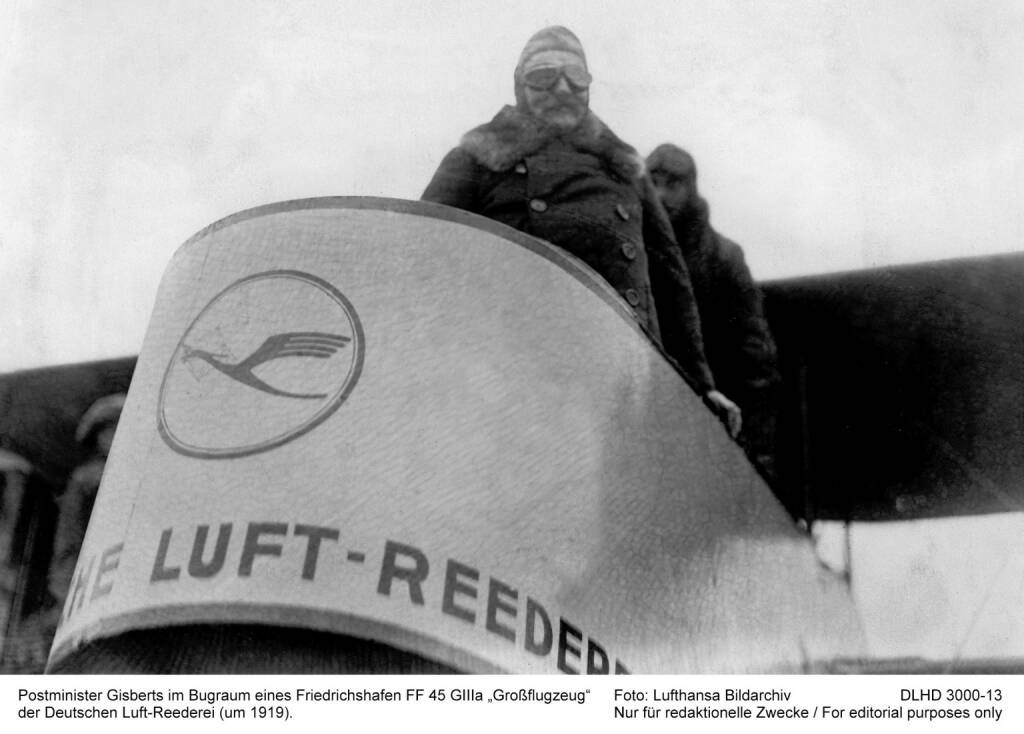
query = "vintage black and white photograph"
x=567 y=337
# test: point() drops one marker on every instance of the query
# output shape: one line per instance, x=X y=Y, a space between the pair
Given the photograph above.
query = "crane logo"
x=269 y=358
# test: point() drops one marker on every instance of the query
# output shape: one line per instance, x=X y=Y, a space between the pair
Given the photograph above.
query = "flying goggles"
x=547 y=77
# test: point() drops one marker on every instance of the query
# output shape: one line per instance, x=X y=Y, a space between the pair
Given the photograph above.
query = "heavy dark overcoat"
x=587 y=193
x=737 y=341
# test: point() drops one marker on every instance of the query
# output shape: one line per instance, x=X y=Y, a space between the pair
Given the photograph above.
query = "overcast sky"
x=829 y=136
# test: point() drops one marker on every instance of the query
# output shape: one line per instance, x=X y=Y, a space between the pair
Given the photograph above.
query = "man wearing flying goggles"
x=545 y=77
x=549 y=167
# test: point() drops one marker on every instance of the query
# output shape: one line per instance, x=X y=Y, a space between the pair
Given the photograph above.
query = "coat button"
x=538 y=205
x=628 y=250
x=520 y=168
x=622 y=212
x=632 y=297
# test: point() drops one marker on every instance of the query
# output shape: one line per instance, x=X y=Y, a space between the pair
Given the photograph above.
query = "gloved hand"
x=726 y=410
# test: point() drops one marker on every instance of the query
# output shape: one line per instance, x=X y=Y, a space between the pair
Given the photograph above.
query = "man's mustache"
x=566 y=104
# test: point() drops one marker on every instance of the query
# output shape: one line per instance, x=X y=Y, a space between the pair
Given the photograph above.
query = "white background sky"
x=829 y=136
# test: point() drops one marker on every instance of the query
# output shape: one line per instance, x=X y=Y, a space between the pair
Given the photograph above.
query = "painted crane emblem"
x=308 y=344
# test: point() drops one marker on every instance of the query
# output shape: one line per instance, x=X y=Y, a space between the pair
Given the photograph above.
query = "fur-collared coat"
x=586 y=192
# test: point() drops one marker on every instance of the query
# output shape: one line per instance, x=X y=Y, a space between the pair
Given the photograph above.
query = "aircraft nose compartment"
x=406 y=424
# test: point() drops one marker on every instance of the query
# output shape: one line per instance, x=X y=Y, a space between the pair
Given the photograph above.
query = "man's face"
x=674 y=191
x=564 y=104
